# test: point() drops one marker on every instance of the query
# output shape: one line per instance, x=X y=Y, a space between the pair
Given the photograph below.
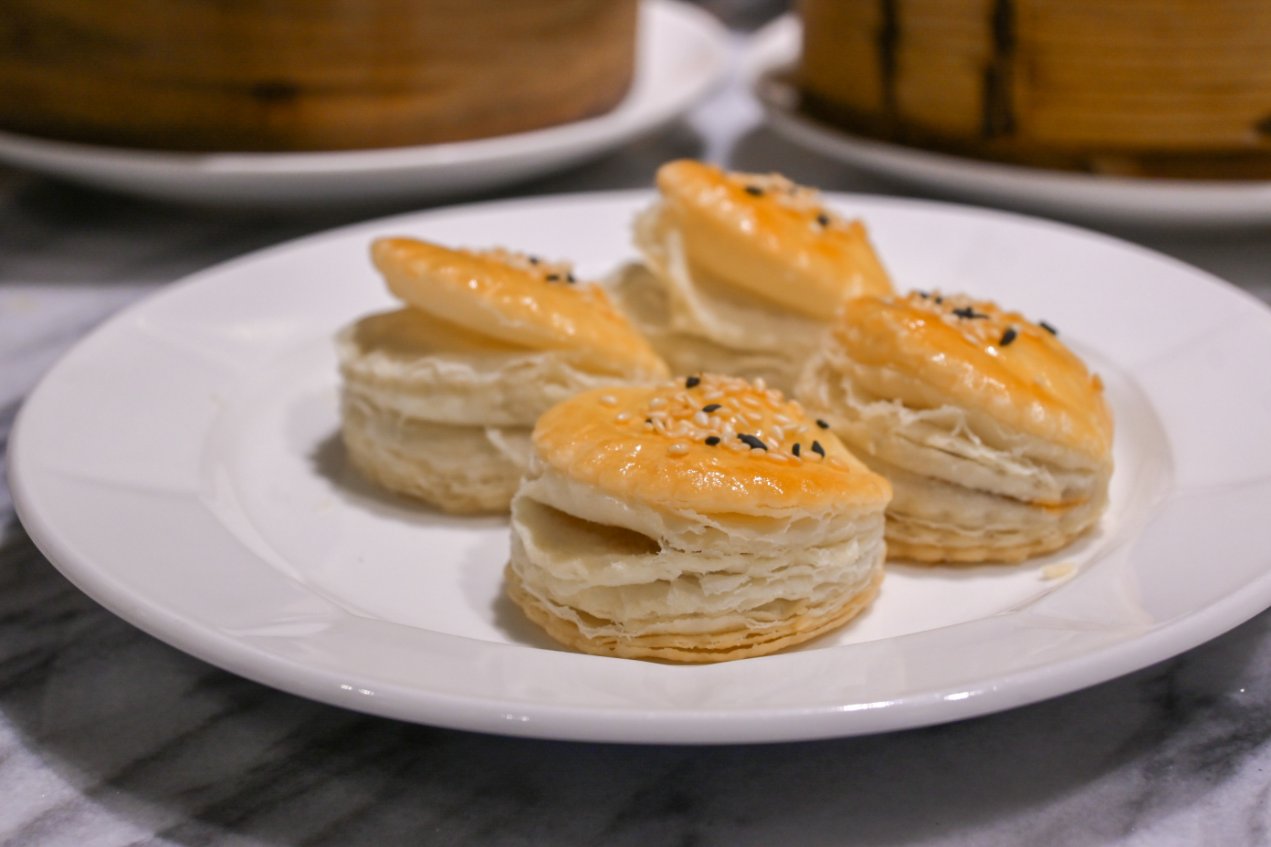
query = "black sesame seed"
x=818 y=449
x=648 y=420
x=754 y=191
x=1048 y=327
x=570 y=278
x=553 y=277
x=692 y=382
x=795 y=449
x=822 y=424
x=823 y=219
x=711 y=407
x=533 y=260
x=1008 y=336
x=712 y=440
x=751 y=441
x=968 y=312
x=924 y=295
x=939 y=300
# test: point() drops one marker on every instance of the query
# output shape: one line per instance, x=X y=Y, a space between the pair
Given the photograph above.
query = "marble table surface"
x=110 y=737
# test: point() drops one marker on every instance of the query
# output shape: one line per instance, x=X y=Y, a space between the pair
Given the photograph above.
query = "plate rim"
x=587 y=723
x=180 y=175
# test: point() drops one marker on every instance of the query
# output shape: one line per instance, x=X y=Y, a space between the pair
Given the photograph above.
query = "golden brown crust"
x=516 y=299
x=651 y=444
x=978 y=355
x=695 y=648
x=770 y=237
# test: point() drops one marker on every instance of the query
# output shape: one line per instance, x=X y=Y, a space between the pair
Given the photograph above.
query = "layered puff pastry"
x=700 y=520
x=438 y=397
x=994 y=435
x=741 y=273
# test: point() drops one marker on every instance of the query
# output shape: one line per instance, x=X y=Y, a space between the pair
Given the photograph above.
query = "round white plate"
x=682 y=54
x=1084 y=196
x=182 y=466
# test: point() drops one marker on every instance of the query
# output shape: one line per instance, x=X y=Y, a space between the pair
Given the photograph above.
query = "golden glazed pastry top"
x=983 y=357
x=709 y=444
x=517 y=299
x=770 y=237
x=413 y=332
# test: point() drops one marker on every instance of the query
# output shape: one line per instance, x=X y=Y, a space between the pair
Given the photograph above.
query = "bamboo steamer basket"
x=288 y=75
x=1176 y=88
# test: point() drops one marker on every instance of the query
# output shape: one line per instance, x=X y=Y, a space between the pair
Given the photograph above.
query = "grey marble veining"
x=109 y=737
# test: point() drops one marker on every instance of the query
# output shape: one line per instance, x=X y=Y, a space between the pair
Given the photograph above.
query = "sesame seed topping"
x=1048 y=327
x=657 y=403
x=623 y=417
x=796 y=448
x=712 y=440
x=608 y=400
x=692 y=381
x=823 y=219
x=822 y=424
x=701 y=420
x=711 y=407
x=969 y=313
x=760 y=384
x=751 y=441
x=570 y=278
x=679 y=448
x=754 y=191
x=1008 y=336
x=818 y=449
x=552 y=277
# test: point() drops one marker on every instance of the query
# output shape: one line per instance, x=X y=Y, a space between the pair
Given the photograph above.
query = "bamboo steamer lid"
x=1153 y=87
x=276 y=75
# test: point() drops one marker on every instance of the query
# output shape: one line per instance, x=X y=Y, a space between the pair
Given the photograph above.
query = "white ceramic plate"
x=683 y=53
x=1083 y=196
x=181 y=465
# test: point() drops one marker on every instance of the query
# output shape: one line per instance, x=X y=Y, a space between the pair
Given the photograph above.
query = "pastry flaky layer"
x=995 y=436
x=696 y=521
x=438 y=397
x=748 y=264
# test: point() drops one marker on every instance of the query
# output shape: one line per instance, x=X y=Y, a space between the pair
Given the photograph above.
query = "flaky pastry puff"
x=994 y=435
x=700 y=520
x=742 y=269
x=439 y=397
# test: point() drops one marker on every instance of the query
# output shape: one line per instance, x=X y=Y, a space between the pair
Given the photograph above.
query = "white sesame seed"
x=778 y=457
x=701 y=419
x=657 y=403
x=679 y=448
x=760 y=384
x=623 y=417
x=609 y=400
